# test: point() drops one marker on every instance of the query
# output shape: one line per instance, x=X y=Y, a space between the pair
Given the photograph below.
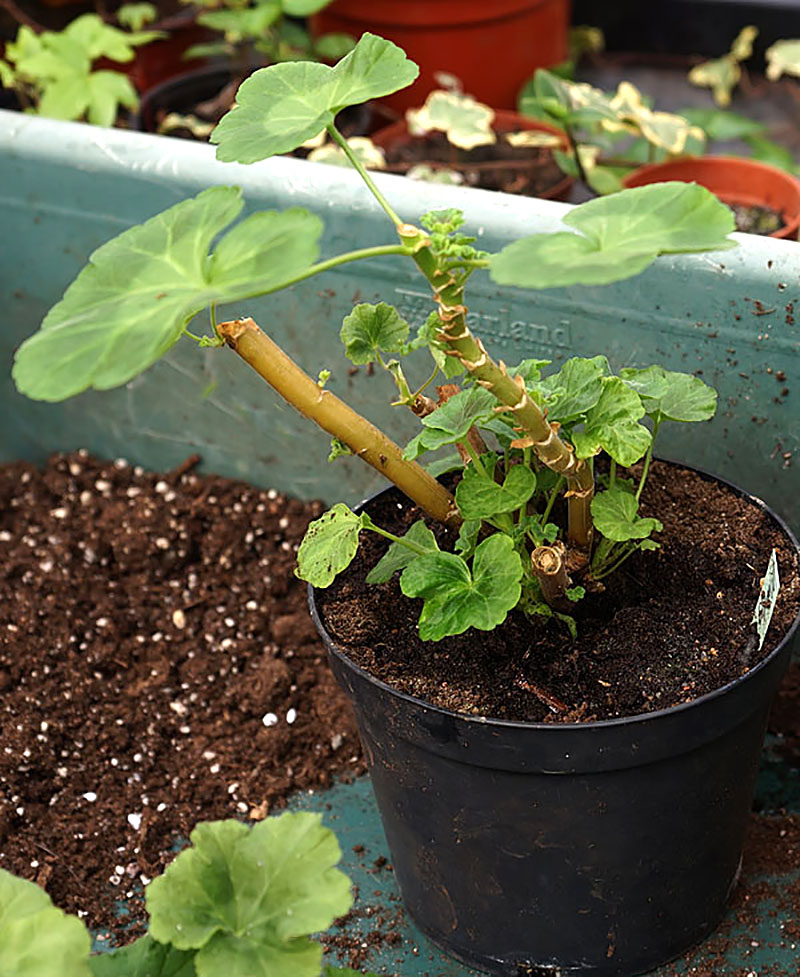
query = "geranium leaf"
x=34 y=934
x=575 y=388
x=329 y=545
x=480 y=497
x=455 y=597
x=398 y=556
x=667 y=395
x=619 y=236
x=280 y=107
x=466 y=122
x=371 y=329
x=721 y=125
x=247 y=899
x=107 y=90
x=133 y=300
x=454 y=418
x=613 y=425
x=615 y=515
x=144 y=958
x=783 y=57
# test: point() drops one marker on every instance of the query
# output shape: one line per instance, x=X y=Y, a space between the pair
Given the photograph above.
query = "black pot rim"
x=619 y=721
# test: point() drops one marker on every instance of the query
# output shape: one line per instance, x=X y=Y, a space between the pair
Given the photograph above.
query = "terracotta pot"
x=491 y=47
x=735 y=181
x=397 y=135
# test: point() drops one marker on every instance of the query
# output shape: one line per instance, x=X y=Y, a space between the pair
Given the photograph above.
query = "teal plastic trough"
x=65 y=188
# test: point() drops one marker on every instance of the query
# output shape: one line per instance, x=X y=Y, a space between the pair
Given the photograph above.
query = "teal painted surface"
x=66 y=187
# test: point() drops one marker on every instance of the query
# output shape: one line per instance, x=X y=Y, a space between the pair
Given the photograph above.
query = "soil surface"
x=672 y=625
x=757 y=220
x=531 y=172
x=158 y=666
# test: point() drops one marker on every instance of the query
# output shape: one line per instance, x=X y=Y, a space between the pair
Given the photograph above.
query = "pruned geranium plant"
x=537 y=521
x=239 y=901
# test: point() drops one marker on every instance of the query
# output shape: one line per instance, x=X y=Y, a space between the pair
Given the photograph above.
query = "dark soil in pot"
x=529 y=171
x=157 y=667
x=757 y=220
x=671 y=626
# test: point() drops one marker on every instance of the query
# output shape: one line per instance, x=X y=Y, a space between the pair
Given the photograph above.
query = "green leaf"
x=723 y=126
x=575 y=389
x=398 y=556
x=107 y=91
x=768 y=151
x=282 y=106
x=468 y=534
x=247 y=899
x=35 y=936
x=144 y=958
x=303 y=8
x=575 y=593
x=465 y=122
x=620 y=235
x=345 y=972
x=133 y=300
x=331 y=47
x=135 y=15
x=449 y=462
x=783 y=57
x=667 y=395
x=329 y=545
x=452 y=421
x=372 y=329
x=457 y=599
x=480 y=497
x=615 y=515
x=612 y=425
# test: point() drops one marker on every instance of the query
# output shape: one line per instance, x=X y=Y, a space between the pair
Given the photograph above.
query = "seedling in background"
x=53 y=73
x=537 y=524
x=263 y=32
x=240 y=901
x=608 y=134
x=722 y=75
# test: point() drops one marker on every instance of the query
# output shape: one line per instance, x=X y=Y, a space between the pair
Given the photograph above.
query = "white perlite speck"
x=135 y=821
x=89 y=796
x=269 y=719
x=291 y=715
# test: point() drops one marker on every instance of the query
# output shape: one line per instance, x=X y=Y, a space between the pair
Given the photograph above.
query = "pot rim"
x=605 y=724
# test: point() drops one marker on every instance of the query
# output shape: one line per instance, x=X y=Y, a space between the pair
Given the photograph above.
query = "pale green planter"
x=66 y=187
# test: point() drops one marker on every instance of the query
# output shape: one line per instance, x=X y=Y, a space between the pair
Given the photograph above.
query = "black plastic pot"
x=179 y=94
x=601 y=848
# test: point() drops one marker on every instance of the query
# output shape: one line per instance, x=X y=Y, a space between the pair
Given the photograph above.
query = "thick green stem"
x=536 y=431
x=338 y=419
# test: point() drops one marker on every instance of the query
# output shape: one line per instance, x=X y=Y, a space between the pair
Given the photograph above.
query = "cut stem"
x=339 y=420
x=550 y=567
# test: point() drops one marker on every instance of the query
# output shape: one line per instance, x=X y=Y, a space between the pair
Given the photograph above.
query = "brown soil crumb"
x=158 y=667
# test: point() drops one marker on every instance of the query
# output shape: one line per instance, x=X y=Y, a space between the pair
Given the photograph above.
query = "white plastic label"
x=770 y=586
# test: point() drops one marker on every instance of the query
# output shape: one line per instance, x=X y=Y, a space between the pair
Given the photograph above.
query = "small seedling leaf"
x=329 y=545
x=575 y=389
x=480 y=497
x=144 y=958
x=613 y=425
x=373 y=329
x=34 y=933
x=286 y=887
x=398 y=556
x=138 y=292
x=280 y=107
x=667 y=395
x=619 y=236
x=615 y=516
x=455 y=597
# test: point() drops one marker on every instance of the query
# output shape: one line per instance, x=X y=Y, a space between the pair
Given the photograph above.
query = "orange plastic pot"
x=397 y=135
x=735 y=181
x=492 y=47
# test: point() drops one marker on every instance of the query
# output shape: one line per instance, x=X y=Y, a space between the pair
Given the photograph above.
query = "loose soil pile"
x=157 y=666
